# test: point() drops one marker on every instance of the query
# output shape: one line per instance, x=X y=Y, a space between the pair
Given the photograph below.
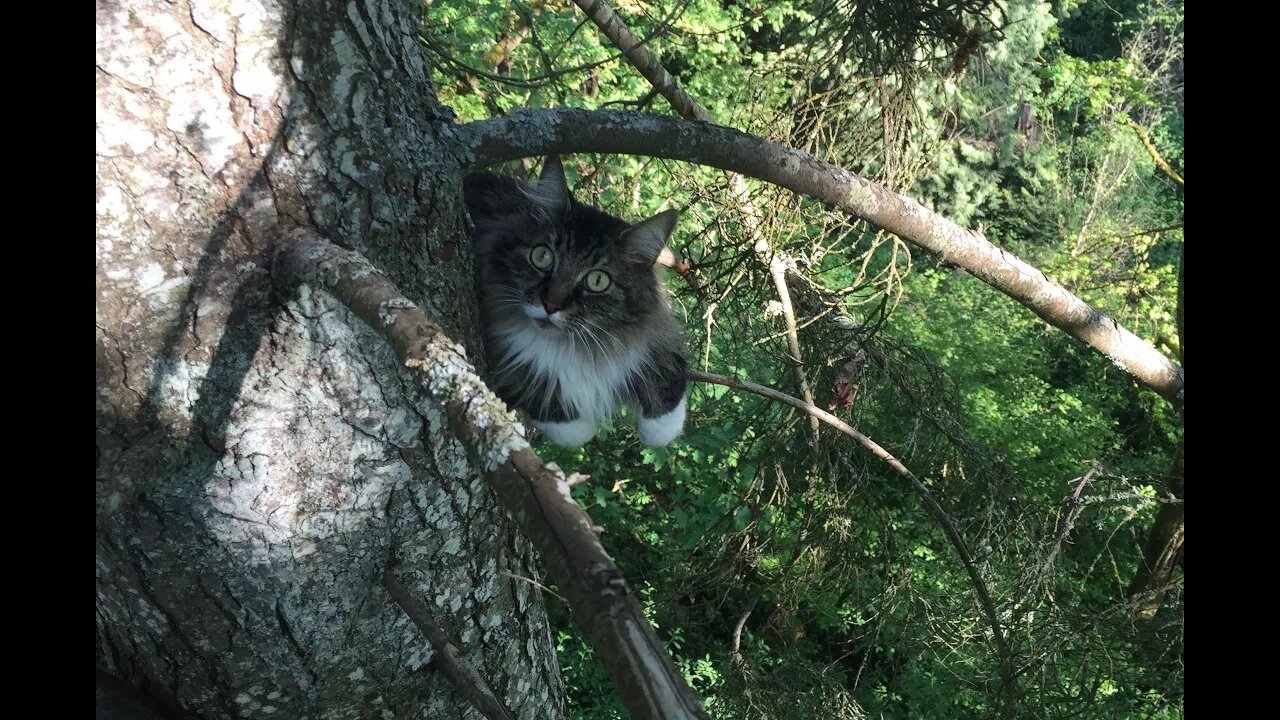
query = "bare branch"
x=736 y=643
x=808 y=407
x=542 y=132
x=646 y=62
x=1162 y=551
x=777 y=265
x=536 y=584
x=508 y=42
x=534 y=493
x=464 y=678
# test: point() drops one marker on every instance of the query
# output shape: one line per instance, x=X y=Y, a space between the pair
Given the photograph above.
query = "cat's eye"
x=542 y=257
x=598 y=281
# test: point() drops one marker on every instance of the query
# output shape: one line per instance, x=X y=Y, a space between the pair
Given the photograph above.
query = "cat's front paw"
x=657 y=432
x=572 y=434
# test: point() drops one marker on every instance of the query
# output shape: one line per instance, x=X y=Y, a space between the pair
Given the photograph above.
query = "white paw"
x=568 y=434
x=657 y=432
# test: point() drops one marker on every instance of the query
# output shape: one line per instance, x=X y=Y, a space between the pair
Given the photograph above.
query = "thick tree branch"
x=541 y=132
x=1007 y=675
x=535 y=493
x=464 y=678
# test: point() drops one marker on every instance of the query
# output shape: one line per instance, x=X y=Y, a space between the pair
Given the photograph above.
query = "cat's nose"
x=551 y=308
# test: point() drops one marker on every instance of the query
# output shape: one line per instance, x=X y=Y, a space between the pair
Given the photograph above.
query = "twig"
x=810 y=408
x=777 y=265
x=507 y=43
x=536 y=584
x=1068 y=514
x=535 y=81
x=685 y=267
x=737 y=628
x=449 y=661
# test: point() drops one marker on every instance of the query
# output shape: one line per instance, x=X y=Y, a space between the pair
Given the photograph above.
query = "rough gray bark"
x=260 y=457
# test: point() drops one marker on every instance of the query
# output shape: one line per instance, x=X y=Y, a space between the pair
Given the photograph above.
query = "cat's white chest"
x=592 y=387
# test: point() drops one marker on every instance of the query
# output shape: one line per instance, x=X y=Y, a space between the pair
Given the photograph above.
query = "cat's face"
x=571 y=270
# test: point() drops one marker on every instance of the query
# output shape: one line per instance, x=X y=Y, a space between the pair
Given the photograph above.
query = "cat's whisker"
x=592 y=328
x=587 y=329
x=509 y=295
x=613 y=339
x=587 y=336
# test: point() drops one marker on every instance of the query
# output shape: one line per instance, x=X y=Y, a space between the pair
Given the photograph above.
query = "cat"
x=575 y=321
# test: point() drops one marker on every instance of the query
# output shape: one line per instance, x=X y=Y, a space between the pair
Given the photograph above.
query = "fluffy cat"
x=576 y=323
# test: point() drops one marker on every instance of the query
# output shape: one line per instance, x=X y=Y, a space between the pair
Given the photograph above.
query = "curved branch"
x=535 y=493
x=542 y=132
x=816 y=412
x=935 y=508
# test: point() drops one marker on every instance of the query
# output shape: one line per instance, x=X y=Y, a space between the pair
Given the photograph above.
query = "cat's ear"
x=552 y=193
x=648 y=237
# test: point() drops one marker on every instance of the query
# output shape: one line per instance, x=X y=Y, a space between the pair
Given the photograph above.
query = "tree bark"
x=260 y=457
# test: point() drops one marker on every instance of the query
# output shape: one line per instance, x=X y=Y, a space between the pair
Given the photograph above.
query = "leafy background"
x=1025 y=120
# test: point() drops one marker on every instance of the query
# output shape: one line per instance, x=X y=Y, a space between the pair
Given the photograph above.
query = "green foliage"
x=855 y=602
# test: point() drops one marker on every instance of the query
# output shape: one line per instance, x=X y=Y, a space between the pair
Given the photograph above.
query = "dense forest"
x=911 y=484
x=794 y=578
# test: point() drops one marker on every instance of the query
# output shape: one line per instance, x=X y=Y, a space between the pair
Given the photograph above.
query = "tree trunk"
x=262 y=458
